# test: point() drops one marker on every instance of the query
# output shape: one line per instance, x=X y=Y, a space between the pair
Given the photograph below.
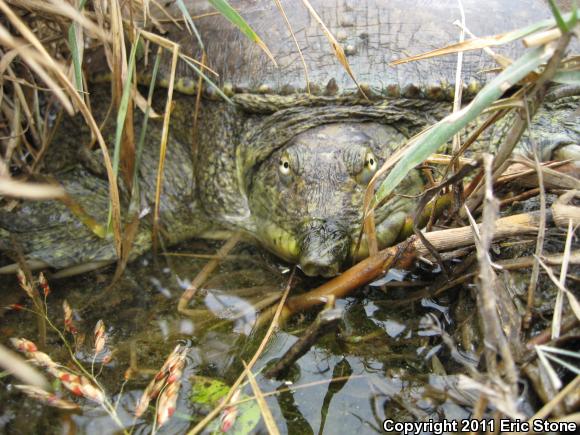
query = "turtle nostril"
x=324 y=248
x=311 y=267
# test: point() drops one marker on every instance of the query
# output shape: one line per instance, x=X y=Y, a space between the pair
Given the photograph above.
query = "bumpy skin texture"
x=310 y=211
x=307 y=197
x=47 y=231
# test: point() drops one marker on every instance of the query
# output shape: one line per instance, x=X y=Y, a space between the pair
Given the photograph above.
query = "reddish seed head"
x=44 y=284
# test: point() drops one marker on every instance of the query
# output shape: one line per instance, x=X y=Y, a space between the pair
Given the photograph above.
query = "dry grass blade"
x=66 y=10
x=71 y=90
x=502 y=401
x=20 y=189
x=542 y=38
x=336 y=47
x=20 y=103
x=124 y=149
x=557 y=318
x=36 y=62
x=541 y=231
x=479 y=43
x=16 y=366
x=574 y=304
x=163 y=145
x=274 y=324
x=549 y=407
x=122 y=70
x=283 y=12
x=470 y=44
x=547 y=368
x=496 y=341
x=264 y=409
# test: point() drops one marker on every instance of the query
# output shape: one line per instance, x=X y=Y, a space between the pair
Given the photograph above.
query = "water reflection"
x=380 y=356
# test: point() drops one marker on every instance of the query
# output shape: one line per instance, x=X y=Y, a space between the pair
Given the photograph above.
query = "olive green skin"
x=311 y=214
x=308 y=207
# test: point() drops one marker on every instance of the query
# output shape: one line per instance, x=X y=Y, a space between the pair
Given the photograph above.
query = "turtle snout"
x=324 y=249
x=325 y=267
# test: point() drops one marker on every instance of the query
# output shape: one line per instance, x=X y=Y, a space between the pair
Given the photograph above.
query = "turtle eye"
x=369 y=169
x=284 y=168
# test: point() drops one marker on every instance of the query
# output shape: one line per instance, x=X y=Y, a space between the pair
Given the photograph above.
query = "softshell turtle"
x=288 y=163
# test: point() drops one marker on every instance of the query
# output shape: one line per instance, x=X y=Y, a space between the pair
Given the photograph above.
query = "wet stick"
x=402 y=255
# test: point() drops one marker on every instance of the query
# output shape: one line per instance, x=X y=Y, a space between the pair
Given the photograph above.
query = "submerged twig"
x=326 y=321
x=203 y=275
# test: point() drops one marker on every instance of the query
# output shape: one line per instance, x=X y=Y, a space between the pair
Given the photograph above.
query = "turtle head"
x=306 y=198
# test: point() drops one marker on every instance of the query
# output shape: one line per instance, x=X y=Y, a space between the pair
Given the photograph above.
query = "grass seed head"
x=68 y=318
x=167 y=402
x=23 y=345
x=228 y=418
x=47 y=398
x=44 y=284
x=100 y=337
x=43 y=360
x=24 y=284
x=80 y=386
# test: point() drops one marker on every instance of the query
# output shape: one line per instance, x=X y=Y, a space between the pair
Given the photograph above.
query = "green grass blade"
x=189 y=22
x=236 y=19
x=76 y=57
x=143 y=131
x=207 y=79
x=122 y=114
x=574 y=18
x=567 y=77
x=558 y=16
x=123 y=106
x=427 y=143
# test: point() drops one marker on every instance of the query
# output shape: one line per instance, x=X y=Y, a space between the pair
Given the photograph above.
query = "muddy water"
x=387 y=352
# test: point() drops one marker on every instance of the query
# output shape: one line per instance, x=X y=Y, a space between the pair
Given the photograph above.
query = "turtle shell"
x=372 y=33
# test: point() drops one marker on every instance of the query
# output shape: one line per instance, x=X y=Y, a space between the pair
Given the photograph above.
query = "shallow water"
x=387 y=350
